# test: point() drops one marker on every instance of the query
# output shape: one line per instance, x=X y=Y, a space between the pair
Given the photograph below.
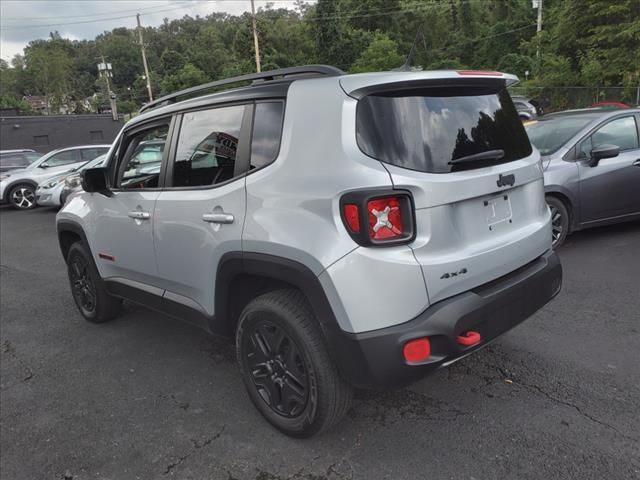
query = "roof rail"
x=263 y=76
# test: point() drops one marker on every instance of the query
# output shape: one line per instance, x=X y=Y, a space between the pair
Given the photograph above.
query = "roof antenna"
x=406 y=67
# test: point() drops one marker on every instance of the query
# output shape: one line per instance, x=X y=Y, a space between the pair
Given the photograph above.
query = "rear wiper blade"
x=488 y=155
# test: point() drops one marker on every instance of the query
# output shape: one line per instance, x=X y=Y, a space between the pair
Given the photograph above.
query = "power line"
x=88 y=15
x=31 y=27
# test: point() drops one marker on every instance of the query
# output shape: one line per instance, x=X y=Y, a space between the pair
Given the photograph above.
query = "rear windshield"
x=430 y=129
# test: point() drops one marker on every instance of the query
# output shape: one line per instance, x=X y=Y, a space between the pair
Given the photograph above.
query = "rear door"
x=200 y=214
x=611 y=188
x=459 y=147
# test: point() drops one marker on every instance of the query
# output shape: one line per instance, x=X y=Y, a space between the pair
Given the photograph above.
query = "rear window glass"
x=267 y=130
x=429 y=130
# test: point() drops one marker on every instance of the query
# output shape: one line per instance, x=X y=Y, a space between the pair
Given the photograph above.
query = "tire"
x=286 y=367
x=560 y=221
x=88 y=289
x=23 y=196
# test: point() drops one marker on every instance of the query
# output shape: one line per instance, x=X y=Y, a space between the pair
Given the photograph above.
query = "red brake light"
x=417 y=350
x=385 y=218
x=480 y=72
x=352 y=216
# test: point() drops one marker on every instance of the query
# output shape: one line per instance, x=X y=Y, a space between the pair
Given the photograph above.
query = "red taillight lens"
x=385 y=218
x=417 y=350
x=352 y=216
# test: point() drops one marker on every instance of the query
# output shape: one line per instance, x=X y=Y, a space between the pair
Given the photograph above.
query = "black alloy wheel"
x=276 y=367
x=82 y=286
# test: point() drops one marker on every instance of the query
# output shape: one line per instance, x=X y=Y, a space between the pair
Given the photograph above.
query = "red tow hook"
x=468 y=338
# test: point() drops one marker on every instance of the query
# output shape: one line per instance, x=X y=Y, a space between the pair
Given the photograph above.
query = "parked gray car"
x=591 y=161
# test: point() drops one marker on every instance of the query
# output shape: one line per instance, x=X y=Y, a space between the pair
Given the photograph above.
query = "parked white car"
x=18 y=187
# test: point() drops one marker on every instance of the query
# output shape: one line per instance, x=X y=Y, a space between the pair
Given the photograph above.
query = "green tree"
x=49 y=64
x=188 y=76
x=381 y=54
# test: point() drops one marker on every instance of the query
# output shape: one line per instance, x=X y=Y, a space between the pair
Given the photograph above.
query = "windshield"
x=428 y=130
x=548 y=135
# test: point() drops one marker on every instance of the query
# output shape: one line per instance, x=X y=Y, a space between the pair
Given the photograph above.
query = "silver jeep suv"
x=346 y=230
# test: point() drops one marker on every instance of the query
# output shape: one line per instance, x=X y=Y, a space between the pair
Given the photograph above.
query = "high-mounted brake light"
x=480 y=72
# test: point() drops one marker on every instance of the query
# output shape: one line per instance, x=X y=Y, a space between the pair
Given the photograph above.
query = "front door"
x=200 y=213
x=124 y=228
x=611 y=188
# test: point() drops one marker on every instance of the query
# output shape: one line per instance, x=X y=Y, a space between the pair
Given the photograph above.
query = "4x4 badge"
x=453 y=274
x=504 y=180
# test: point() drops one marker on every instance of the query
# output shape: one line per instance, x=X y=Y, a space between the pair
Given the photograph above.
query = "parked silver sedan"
x=53 y=192
x=591 y=162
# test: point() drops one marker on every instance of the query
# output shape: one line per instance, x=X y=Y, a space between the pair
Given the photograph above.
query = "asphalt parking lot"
x=147 y=397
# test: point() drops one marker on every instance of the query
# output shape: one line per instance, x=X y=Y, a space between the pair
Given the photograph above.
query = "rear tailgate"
x=479 y=217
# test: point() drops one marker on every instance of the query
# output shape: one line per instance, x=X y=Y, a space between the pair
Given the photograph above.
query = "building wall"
x=46 y=133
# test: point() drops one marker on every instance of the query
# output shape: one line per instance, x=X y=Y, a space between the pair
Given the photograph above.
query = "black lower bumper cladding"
x=375 y=360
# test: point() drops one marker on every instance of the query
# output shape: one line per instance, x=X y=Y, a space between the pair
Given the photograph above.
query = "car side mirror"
x=603 y=151
x=43 y=165
x=95 y=180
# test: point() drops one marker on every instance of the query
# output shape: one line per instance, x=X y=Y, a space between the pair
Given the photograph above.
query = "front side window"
x=62 y=158
x=267 y=131
x=140 y=167
x=207 y=146
x=621 y=132
x=439 y=130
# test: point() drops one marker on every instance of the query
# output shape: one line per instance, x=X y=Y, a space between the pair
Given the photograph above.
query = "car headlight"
x=73 y=181
x=52 y=184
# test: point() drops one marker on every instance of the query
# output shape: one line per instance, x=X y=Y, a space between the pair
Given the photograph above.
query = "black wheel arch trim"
x=73 y=227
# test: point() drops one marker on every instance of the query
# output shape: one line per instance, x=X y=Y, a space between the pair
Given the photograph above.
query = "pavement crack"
x=196 y=446
x=10 y=351
x=540 y=391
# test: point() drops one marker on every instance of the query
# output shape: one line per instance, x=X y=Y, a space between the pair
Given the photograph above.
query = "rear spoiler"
x=357 y=86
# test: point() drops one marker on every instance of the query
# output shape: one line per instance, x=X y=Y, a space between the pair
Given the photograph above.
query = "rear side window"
x=91 y=153
x=267 y=131
x=428 y=130
x=14 y=160
x=207 y=146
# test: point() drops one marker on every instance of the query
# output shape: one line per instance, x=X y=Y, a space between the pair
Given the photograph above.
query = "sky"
x=24 y=20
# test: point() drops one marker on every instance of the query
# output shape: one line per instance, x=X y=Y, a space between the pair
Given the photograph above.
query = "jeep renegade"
x=348 y=231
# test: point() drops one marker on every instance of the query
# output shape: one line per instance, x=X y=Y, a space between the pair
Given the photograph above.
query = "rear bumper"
x=375 y=360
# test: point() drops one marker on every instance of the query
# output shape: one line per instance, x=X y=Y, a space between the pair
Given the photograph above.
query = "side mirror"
x=95 y=180
x=603 y=151
x=43 y=165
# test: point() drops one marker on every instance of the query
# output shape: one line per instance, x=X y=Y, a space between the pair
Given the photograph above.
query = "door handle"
x=139 y=215
x=218 y=217
x=636 y=163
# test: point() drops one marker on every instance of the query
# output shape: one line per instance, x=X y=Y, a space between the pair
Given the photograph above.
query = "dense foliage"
x=584 y=43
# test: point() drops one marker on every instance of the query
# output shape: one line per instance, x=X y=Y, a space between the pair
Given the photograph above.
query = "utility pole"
x=144 y=59
x=538 y=4
x=104 y=69
x=255 y=36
